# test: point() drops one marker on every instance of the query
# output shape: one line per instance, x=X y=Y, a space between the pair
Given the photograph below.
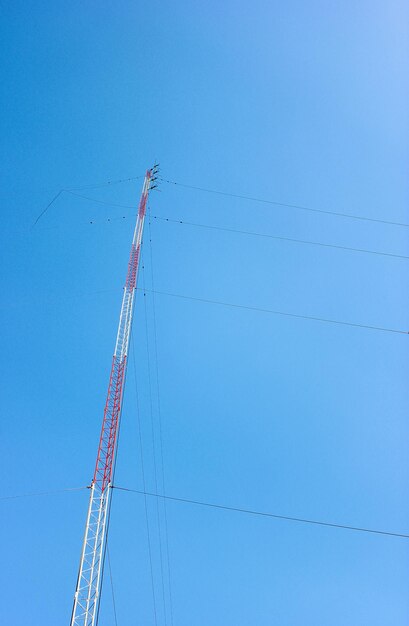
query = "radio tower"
x=88 y=589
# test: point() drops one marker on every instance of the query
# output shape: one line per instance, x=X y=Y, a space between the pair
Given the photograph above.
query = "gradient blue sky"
x=299 y=102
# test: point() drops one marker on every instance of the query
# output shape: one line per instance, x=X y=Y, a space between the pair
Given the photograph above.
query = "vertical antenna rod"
x=88 y=589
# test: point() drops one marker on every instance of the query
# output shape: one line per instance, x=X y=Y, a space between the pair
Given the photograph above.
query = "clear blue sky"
x=299 y=102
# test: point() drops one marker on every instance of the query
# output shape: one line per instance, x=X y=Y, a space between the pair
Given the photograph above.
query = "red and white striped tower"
x=87 y=593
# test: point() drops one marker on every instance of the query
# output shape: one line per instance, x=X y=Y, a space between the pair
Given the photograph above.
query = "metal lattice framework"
x=87 y=593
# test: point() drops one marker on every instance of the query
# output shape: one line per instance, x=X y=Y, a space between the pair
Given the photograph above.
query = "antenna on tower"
x=154 y=176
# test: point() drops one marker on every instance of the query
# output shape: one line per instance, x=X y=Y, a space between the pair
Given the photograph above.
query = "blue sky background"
x=302 y=103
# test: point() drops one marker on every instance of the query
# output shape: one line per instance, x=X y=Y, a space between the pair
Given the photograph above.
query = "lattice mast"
x=87 y=593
